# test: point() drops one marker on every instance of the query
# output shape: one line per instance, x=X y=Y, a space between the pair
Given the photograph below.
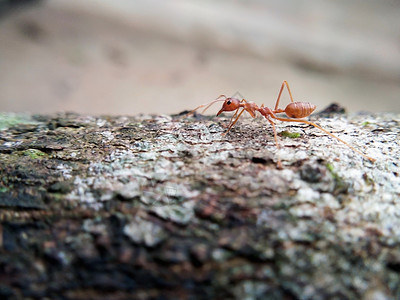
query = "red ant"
x=294 y=110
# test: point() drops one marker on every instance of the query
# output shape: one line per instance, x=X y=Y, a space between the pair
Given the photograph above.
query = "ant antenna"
x=207 y=105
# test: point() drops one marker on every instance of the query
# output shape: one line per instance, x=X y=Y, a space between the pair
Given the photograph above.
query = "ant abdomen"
x=299 y=109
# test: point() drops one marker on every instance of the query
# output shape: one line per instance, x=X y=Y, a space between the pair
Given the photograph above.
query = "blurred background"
x=154 y=56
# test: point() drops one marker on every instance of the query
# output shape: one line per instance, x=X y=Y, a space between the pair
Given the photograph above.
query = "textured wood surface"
x=161 y=207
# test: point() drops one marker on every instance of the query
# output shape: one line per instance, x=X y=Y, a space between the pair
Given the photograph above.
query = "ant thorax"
x=265 y=111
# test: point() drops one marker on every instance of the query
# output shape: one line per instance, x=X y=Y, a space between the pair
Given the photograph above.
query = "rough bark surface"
x=154 y=207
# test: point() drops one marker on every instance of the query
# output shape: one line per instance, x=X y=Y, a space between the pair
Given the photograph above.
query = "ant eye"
x=229 y=102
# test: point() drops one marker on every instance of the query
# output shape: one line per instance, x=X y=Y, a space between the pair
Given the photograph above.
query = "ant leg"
x=250 y=110
x=234 y=116
x=230 y=122
x=237 y=118
x=327 y=132
x=280 y=93
x=276 y=142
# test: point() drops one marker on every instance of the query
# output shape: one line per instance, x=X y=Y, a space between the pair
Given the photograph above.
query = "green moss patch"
x=292 y=135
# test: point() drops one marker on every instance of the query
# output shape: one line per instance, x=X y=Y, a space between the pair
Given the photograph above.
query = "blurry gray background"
x=154 y=56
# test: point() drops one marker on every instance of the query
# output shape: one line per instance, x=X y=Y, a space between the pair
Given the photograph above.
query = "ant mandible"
x=294 y=110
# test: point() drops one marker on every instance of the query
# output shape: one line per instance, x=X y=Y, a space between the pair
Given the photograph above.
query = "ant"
x=294 y=110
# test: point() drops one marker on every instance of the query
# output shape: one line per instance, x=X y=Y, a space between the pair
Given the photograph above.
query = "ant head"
x=229 y=105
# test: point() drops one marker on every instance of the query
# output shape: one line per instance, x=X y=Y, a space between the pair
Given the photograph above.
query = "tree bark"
x=152 y=207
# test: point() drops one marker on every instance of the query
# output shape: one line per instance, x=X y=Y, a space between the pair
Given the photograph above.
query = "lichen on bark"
x=151 y=206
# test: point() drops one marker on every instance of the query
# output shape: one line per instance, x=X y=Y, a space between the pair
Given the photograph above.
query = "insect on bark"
x=294 y=111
